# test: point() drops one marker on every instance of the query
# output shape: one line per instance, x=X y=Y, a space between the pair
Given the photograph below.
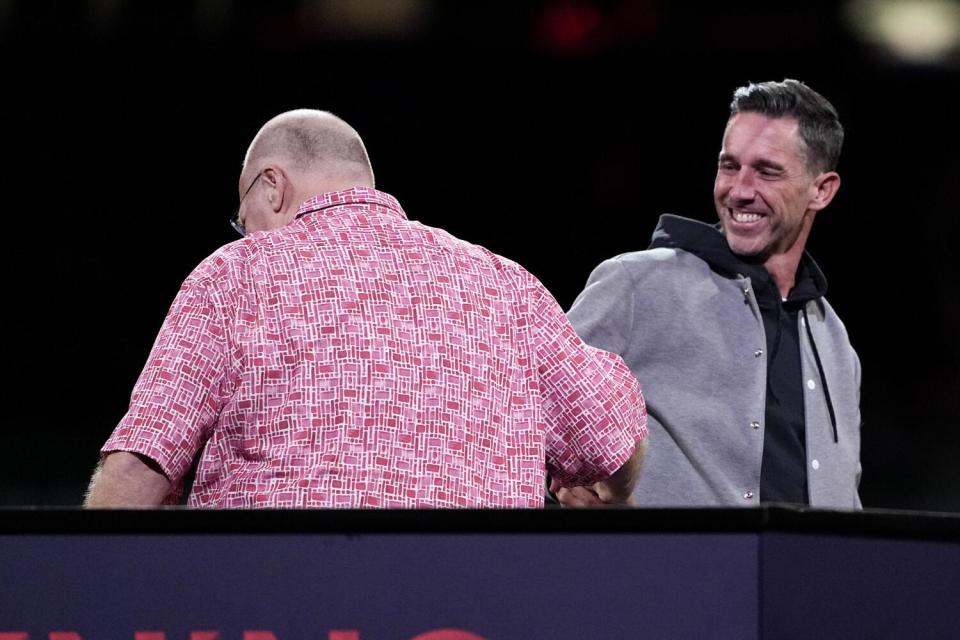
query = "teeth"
x=739 y=216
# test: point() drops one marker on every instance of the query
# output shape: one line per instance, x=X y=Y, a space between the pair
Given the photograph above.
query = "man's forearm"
x=126 y=479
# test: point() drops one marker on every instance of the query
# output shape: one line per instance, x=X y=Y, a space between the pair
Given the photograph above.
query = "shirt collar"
x=376 y=201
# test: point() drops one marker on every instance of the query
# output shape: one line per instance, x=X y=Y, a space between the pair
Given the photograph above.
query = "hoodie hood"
x=706 y=241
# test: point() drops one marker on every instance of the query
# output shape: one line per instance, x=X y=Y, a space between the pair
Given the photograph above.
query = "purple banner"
x=378 y=587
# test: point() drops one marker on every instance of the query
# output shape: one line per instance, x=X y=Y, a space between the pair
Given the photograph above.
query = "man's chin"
x=748 y=251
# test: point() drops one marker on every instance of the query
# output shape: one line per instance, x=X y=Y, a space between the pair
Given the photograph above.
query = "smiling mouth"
x=744 y=216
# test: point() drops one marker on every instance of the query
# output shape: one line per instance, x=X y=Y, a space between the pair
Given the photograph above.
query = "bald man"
x=341 y=355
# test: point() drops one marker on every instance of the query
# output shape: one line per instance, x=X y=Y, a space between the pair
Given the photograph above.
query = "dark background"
x=554 y=133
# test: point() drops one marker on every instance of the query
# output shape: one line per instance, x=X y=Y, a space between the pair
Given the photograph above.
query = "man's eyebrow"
x=724 y=156
x=763 y=163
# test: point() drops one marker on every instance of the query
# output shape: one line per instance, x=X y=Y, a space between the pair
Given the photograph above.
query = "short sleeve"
x=178 y=396
x=593 y=405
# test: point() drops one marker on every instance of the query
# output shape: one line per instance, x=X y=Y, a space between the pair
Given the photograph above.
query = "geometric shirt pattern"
x=355 y=358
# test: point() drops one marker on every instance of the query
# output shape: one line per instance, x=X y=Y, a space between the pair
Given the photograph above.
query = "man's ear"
x=276 y=187
x=825 y=186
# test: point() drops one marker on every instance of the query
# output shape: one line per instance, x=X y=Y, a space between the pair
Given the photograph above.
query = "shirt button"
x=758 y=353
x=755 y=424
x=815 y=464
x=748 y=495
x=811 y=385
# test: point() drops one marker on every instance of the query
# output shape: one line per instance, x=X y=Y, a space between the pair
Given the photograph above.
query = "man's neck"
x=782 y=268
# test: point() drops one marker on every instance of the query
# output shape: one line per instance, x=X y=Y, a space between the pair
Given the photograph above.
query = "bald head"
x=325 y=152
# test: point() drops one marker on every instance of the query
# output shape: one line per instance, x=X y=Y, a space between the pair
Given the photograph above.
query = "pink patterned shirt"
x=357 y=359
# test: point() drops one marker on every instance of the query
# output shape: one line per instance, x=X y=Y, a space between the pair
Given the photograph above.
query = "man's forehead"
x=749 y=132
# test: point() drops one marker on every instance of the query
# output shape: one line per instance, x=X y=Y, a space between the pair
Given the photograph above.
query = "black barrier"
x=768 y=572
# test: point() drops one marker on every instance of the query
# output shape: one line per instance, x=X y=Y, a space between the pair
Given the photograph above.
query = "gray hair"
x=820 y=127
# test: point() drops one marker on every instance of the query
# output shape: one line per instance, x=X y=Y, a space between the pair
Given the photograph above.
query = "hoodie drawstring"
x=823 y=377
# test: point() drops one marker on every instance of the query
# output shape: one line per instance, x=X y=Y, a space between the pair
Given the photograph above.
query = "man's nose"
x=742 y=187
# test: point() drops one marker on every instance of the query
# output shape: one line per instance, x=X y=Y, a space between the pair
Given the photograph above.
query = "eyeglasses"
x=235 y=220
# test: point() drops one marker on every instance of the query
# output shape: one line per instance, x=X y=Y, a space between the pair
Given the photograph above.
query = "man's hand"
x=617 y=490
x=599 y=495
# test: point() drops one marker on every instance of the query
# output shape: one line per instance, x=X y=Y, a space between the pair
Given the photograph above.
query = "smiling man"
x=751 y=383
